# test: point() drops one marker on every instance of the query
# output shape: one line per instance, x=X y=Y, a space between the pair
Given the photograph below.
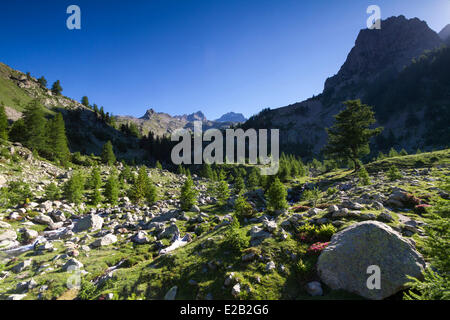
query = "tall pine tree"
x=34 y=121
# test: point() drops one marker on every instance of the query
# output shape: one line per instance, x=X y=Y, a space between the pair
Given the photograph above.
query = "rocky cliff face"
x=392 y=47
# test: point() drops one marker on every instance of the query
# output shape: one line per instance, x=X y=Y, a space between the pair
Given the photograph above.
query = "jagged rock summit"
x=392 y=47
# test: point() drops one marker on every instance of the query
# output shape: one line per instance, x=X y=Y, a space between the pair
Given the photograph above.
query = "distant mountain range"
x=161 y=123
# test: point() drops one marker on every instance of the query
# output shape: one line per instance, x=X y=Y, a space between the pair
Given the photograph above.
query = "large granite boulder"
x=345 y=263
x=91 y=222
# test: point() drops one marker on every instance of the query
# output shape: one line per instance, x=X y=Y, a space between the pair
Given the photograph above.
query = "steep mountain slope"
x=376 y=63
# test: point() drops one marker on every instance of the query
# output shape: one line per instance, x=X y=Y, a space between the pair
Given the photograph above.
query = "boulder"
x=386 y=216
x=340 y=214
x=270 y=226
x=236 y=290
x=105 y=240
x=43 y=219
x=22 y=266
x=258 y=235
x=30 y=234
x=344 y=263
x=7 y=234
x=169 y=232
x=91 y=222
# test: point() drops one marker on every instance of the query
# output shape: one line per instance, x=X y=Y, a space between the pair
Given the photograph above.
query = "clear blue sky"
x=180 y=56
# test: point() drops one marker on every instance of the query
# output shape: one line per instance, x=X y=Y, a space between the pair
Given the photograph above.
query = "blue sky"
x=180 y=56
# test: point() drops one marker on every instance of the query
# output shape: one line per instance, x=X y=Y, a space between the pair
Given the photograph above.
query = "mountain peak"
x=148 y=114
x=445 y=33
x=392 y=47
x=232 y=117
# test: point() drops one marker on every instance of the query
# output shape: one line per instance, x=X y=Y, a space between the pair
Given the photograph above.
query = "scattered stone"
x=171 y=294
x=248 y=257
x=236 y=290
x=270 y=266
x=386 y=216
x=105 y=240
x=229 y=279
x=270 y=225
x=16 y=296
x=140 y=238
x=341 y=213
x=30 y=234
x=22 y=266
x=72 y=264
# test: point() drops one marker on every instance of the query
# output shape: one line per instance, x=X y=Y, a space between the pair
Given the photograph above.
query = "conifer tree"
x=243 y=208
x=95 y=180
x=158 y=165
x=102 y=113
x=393 y=173
x=253 y=179
x=206 y=171
x=239 y=185
x=74 y=188
x=85 y=101
x=108 y=156
x=223 y=192
x=56 y=88
x=188 y=196
x=349 y=137
x=3 y=123
x=112 y=189
x=393 y=153
x=126 y=174
x=364 y=176
x=18 y=131
x=142 y=188
x=43 y=82
x=276 y=195
x=34 y=122
x=57 y=144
